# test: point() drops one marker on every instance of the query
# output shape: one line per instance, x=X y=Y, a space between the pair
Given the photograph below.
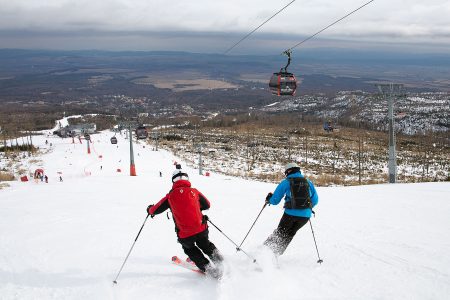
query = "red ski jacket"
x=186 y=204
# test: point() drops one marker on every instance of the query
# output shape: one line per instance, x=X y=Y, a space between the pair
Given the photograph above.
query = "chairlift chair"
x=328 y=126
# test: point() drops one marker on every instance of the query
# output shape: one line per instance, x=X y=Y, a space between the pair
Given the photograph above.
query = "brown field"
x=261 y=78
x=350 y=156
x=180 y=85
x=5 y=176
x=255 y=77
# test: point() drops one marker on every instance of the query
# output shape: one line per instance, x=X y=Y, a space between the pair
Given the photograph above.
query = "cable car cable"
x=246 y=36
x=295 y=46
x=283 y=82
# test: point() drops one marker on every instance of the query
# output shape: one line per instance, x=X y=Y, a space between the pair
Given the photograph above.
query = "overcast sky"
x=214 y=25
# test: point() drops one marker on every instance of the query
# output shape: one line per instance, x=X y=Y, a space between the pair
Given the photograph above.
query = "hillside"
x=67 y=240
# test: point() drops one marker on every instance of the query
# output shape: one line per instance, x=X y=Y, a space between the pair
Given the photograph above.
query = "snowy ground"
x=67 y=240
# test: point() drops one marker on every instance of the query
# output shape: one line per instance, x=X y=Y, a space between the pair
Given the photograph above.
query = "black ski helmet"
x=179 y=174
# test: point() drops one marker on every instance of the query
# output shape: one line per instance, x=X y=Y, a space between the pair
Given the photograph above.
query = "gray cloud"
x=214 y=25
x=202 y=42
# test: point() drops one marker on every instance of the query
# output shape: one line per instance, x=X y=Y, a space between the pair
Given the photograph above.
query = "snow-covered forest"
x=345 y=156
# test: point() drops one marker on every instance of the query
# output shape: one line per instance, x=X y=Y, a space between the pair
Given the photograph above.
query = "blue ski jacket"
x=284 y=189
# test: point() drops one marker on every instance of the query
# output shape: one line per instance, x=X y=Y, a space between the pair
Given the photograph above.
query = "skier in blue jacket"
x=300 y=197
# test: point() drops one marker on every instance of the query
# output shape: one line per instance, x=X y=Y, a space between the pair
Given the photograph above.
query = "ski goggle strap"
x=291 y=170
x=179 y=176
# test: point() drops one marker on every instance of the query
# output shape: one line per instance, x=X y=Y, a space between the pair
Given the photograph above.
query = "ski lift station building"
x=78 y=129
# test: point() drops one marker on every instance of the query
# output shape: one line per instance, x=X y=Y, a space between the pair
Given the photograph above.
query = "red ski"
x=186 y=264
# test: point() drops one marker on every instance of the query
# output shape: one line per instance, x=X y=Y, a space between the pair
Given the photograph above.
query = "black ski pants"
x=280 y=239
x=194 y=245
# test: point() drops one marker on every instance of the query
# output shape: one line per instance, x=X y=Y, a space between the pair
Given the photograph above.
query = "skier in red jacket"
x=186 y=204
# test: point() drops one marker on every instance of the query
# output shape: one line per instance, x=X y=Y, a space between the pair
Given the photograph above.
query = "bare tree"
x=289 y=145
x=305 y=145
x=252 y=150
x=360 y=156
x=335 y=156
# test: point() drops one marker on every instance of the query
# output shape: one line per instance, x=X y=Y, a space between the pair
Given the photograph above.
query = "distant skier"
x=300 y=197
x=60 y=179
x=160 y=174
x=46 y=178
x=186 y=204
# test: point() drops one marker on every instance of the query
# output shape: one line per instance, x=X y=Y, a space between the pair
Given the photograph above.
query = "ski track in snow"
x=67 y=240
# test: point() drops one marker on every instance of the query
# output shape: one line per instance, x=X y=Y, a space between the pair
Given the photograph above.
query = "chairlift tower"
x=390 y=91
x=127 y=125
x=156 y=135
x=198 y=147
x=200 y=161
x=132 y=165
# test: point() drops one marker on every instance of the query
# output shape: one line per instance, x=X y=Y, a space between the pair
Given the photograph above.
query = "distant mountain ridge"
x=325 y=61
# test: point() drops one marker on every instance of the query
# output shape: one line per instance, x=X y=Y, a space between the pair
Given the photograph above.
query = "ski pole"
x=237 y=247
x=265 y=204
x=320 y=260
x=115 y=280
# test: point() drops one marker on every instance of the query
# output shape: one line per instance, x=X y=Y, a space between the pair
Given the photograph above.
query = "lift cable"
x=310 y=37
x=246 y=36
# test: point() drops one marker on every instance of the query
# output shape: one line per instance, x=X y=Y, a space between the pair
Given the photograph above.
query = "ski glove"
x=269 y=195
x=148 y=210
x=205 y=219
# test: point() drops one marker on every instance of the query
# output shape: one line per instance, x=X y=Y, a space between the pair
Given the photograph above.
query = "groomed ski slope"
x=67 y=240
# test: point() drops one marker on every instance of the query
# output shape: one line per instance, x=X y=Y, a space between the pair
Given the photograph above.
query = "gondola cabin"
x=114 y=140
x=283 y=84
x=141 y=133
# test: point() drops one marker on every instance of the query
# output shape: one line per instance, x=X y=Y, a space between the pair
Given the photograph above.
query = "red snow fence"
x=24 y=178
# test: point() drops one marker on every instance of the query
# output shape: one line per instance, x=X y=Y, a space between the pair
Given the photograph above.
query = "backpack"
x=300 y=198
x=186 y=211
